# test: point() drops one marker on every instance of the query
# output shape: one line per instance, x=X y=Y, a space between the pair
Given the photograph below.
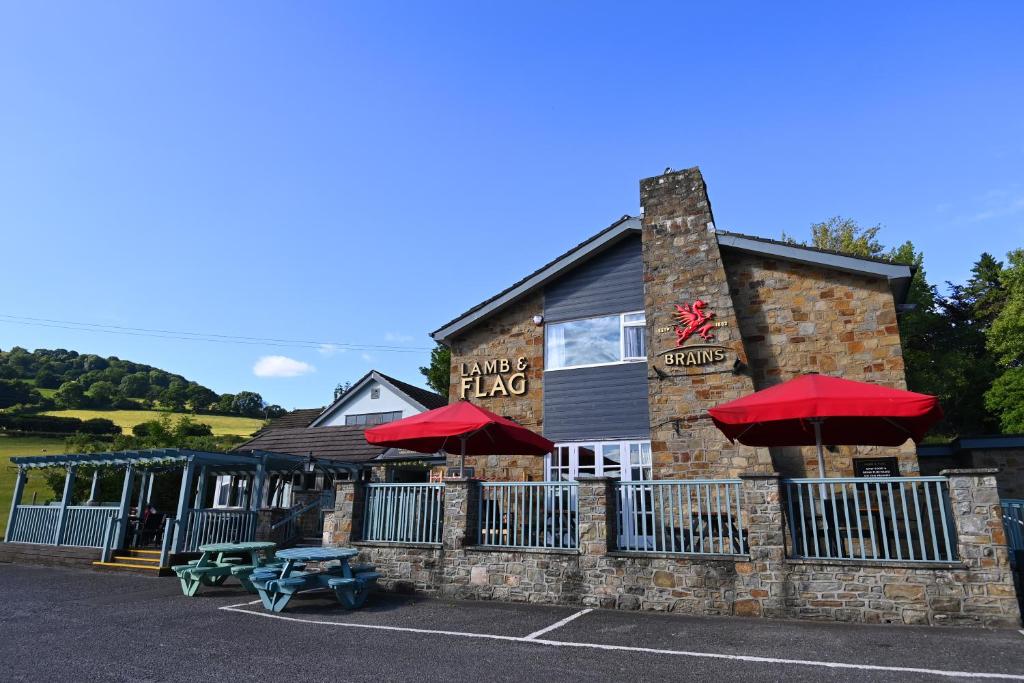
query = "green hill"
x=222 y=425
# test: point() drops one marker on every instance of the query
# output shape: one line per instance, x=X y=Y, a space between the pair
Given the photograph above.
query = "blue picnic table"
x=351 y=583
x=222 y=560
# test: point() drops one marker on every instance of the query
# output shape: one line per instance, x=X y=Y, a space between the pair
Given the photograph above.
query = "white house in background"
x=336 y=433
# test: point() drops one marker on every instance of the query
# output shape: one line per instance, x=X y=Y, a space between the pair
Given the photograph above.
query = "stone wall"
x=510 y=334
x=682 y=263
x=1009 y=462
x=796 y=318
x=976 y=591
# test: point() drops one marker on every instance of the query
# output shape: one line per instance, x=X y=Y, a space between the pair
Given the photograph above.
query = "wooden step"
x=128 y=565
x=140 y=553
x=135 y=556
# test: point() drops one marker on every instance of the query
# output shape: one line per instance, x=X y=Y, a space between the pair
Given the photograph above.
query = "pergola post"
x=184 y=495
x=256 y=497
x=124 y=509
x=19 y=490
x=94 y=486
x=201 y=489
x=65 y=500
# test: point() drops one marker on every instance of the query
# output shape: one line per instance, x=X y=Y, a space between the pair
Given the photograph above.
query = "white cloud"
x=281 y=366
x=999 y=203
x=329 y=350
x=397 y=337
x=367 y=357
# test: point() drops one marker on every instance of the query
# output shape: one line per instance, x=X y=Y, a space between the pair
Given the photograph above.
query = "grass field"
x=222 y=425
x=23 y=445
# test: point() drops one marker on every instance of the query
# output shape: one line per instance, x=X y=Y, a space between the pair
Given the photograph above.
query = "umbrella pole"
x=462 y=458
x=821 y=451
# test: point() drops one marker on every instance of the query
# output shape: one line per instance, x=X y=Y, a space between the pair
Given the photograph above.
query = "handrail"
x=858 y=480
x=295 y=514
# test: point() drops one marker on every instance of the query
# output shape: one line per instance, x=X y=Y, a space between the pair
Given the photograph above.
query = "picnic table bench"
x=219 y=561
x=351 y=583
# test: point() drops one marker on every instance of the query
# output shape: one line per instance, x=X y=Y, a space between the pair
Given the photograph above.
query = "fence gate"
x=1013 y=521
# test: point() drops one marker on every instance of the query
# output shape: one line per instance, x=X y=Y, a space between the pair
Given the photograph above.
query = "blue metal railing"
x=695 y=516
x=886 y=519
x=1013 y=521
x=403 y=513
x=210 y=525
x=85 y=525
x=35 y=524
x=528 y=514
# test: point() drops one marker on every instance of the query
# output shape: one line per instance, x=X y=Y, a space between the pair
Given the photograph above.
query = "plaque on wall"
x=456 y=472
x=876 y=467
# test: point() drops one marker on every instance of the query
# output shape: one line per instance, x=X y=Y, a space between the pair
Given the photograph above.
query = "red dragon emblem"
x=690 y=319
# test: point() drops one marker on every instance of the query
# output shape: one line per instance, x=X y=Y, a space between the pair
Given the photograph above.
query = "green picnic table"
x=351 y=583
x=222 y=560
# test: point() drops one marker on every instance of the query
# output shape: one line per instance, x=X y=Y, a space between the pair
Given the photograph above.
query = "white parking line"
x=557 y=624
x=645 y=650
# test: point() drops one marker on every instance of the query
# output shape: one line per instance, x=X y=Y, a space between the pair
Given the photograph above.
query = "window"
x=595 y=341
x=375 y=392
x=373 y=418
x=626 y=460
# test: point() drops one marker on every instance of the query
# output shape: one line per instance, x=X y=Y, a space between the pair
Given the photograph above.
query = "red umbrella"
x=812 y=410
x=477 y=431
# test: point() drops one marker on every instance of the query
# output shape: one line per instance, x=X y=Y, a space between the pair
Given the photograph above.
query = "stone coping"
x=517 y=549
x=967 y=472
x=683 y=557
x=876 y=563
x=395 y=544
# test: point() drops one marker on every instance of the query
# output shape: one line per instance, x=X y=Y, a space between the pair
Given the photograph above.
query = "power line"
x=203 y=336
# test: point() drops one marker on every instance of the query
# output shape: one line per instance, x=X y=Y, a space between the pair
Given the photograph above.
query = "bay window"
x=603 y=340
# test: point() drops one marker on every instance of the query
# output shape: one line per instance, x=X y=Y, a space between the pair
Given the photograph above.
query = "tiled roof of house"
x=428 y=399
x=345 y=443
x=295 y=418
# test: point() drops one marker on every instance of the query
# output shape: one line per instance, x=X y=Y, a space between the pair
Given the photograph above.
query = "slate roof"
x=630 y=224
x=345 y=443
x=424 y=397
x=295 y=418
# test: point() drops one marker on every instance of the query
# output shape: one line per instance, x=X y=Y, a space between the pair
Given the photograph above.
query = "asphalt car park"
x=69 y=624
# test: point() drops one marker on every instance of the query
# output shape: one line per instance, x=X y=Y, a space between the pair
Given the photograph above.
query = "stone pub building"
x=592 y=350
x=615 y=351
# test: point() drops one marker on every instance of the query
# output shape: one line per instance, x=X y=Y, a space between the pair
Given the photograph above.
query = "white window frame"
x=622 y=340
x=625 y=468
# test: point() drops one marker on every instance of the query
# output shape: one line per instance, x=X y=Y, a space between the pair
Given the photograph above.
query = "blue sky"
x=363 y=172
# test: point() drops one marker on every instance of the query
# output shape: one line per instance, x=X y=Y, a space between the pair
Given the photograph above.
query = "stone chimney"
x=682 y=264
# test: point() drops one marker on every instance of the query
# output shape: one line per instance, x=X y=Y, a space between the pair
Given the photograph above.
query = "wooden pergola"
x=106 y=527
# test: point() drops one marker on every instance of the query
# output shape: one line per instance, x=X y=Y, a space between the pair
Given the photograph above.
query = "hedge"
x=53 y=424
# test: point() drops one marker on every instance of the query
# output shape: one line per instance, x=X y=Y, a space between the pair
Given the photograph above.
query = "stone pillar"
x=461 y=508
x=989 y=596
x=596 y=518
x=682 y=264
x=346 y=522
x=760 y=584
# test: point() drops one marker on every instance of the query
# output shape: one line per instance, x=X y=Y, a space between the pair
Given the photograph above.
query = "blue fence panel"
x=35 y=524
x=403 y=513
x=1013 y=521
x=688 y=516
x=208 y=525
x=528 y=515
x=886 y=519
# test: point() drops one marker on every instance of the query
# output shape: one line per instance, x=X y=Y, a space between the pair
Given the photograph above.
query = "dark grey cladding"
x=604 y=402
x=612 y=282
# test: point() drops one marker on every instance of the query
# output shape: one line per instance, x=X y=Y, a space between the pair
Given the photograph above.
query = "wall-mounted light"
x=538 y=320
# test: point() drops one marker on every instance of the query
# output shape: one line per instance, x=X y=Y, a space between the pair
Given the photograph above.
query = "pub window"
x=373 y=418
x=595 y=341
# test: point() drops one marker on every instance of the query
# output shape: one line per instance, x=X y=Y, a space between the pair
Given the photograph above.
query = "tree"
x=70 y=395
x=134 y=385
x=47 y=378
x=248 y=403
x=439 y=372
x=14 y=392
x=199 y=397
x=174 y=396
x=844 y=235
x=341 y=388
x=224 y=404
x=102 y=394
x=1006 y=343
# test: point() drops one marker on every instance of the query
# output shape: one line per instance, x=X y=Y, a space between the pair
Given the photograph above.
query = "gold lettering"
x=503 y=365
x=517 y=384
x=719 y=354
x=522 y=364
x=476 y=388
x=499 y=387
x=691 y=359
x=475 y=370
x=490 y=367
x=464 y=385
x=670 y=359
